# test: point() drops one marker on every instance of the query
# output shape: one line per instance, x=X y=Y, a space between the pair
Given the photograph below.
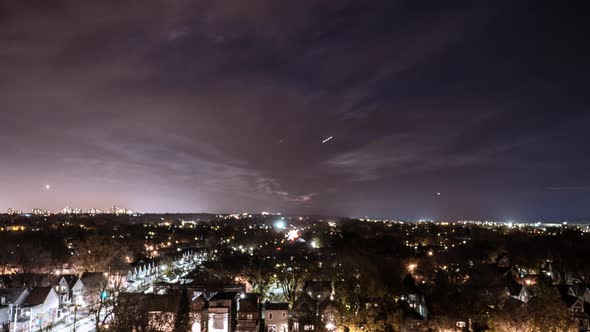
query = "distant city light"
x=293 y=235
x=280 y=224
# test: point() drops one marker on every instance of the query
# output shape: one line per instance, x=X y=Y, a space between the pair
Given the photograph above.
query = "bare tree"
x=98 y=253
x=102 y=291
x=291 y=281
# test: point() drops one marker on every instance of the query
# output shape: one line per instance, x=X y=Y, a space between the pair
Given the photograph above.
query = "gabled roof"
x=578 y=290
x=571 y=300
x=304 y=303
x=276 y=306
x=199 y=303
x=563 y=290
x=514 y=289
x=152 y=302
x=37 y=296
x=224 y=296
x=163 y=303
x=11 y=295
x=511 y=304
x=248 y=305
x=86 y=275
x=70 y=279
x=26 y=279
x=502 y=257
x=326 y=304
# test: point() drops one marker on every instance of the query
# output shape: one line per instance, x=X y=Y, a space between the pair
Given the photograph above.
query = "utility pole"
x=15 y=317
x=75 y=314
x=31 y=320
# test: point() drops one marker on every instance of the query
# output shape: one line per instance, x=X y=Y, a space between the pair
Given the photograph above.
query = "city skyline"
x=384 y=109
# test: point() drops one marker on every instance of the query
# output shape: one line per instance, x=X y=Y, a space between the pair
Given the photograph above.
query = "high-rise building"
x=41 y=212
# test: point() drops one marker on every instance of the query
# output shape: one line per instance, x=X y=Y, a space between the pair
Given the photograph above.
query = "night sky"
x=223 y=106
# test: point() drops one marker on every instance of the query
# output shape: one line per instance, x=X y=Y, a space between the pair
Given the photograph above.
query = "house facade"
x=38 y=311
x=248 y=314
x=222 y=312
x=276 y=317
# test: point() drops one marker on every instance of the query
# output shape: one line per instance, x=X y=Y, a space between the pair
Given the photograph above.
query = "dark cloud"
x=189 y=105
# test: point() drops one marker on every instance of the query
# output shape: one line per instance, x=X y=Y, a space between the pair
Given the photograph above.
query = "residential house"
x=412 y=295
x=248 y=313
x=559 y=275
x=198 y=313
x=276 y=317
x=305 y=313
x=503 y=262
x=580 y=291
x=318 y=289
x=417 y=302
x=411 y=321
x=65 y=287
x=222 y=312
x=329 y=315
x=315 y=314
x=518 y=292
x=579 y=312
x=9 y=299
x=39 y=310
x=162 y=310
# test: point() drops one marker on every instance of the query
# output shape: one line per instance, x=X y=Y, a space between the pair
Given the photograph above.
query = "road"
x=85 y=324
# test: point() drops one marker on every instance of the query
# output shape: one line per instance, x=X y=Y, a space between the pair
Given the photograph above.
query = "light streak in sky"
x=327 y=139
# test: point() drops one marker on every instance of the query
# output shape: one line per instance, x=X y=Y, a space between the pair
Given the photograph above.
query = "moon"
x=47 y=186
